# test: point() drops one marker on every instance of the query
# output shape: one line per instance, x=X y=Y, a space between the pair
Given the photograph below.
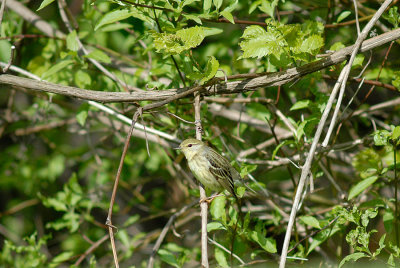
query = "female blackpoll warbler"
x=209 y=167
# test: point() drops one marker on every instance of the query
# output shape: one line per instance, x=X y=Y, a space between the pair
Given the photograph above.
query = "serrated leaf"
x=99 y=55
x=72 y=43
x=312 y=44
x=44 y=4
x=310 y=221
x=180 y=41
x=113 y=16
x=56 y=68
x=361 y=186
x=258 y=43
x=343 y=15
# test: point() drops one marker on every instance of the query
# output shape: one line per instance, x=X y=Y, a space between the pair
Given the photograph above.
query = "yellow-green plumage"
x=209 y=167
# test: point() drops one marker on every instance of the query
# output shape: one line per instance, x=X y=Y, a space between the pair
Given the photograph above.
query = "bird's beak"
x=177 y=148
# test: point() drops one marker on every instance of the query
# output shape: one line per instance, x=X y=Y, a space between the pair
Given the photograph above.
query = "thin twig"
x=91 y=249
x=116 y=182
x=226 y=250
x=165 y=230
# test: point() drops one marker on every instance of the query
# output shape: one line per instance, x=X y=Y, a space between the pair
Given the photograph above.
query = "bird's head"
x=190 y=147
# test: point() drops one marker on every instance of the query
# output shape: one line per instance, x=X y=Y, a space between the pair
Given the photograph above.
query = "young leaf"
x=343 y=15
x=361 y=186
x=99 y=55
x=310 y=221
x=56 y=68
x=113 y=16
x=72 y=43
x=211 y=70
x=352 y=257
x=44 y=4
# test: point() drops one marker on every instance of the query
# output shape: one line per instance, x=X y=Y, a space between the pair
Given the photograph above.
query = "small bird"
x=209 y=167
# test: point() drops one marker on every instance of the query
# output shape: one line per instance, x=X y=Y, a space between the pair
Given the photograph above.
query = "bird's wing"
x=221 y=169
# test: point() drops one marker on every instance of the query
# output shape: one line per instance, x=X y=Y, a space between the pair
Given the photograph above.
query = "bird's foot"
x=209 y=199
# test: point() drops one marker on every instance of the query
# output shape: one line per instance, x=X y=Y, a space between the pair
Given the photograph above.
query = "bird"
x=209 y=167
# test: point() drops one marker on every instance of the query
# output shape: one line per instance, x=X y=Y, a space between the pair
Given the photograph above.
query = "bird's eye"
x=190 y=145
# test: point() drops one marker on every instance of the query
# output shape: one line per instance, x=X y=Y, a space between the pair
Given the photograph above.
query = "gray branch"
x=274 y=79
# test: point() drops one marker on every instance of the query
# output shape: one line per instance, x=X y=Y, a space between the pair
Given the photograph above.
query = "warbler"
x=209 y=167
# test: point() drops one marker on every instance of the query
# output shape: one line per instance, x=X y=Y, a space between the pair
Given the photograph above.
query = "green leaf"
x=361 y=186
x=392 y=16
x=258 y=43
x=195 y=18
x=381 y=137
x=343 y=15
x=116 y=27
x=56 y=68
x=352 y=257
x=214 y=225
x=207 y=5
x=220 y=257
x=113 y=16
x=99 y=55
x=258 y=236
x=217 y=3
x=58 y=205
x=300 y=105
x=81 y=117
x=217 y=208
x=168 y=257
x=211 y=70
x=268 y=7
x=180 y=41
x=44 y=4
x=396 y=80
x=227 y=15
x=312 y=44
x=396 y=133
x=310 y=221
x=72 y=43
x=82 y=79
x=64 y=256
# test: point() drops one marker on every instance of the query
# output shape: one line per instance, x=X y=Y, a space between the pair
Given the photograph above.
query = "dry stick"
x=347 y=68
x=307 y=165
x=91 y=249
x=114 y=192
x=164 y=232
x=203 y=197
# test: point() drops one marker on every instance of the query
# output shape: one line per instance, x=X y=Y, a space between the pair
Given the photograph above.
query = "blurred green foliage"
x=60 y=155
